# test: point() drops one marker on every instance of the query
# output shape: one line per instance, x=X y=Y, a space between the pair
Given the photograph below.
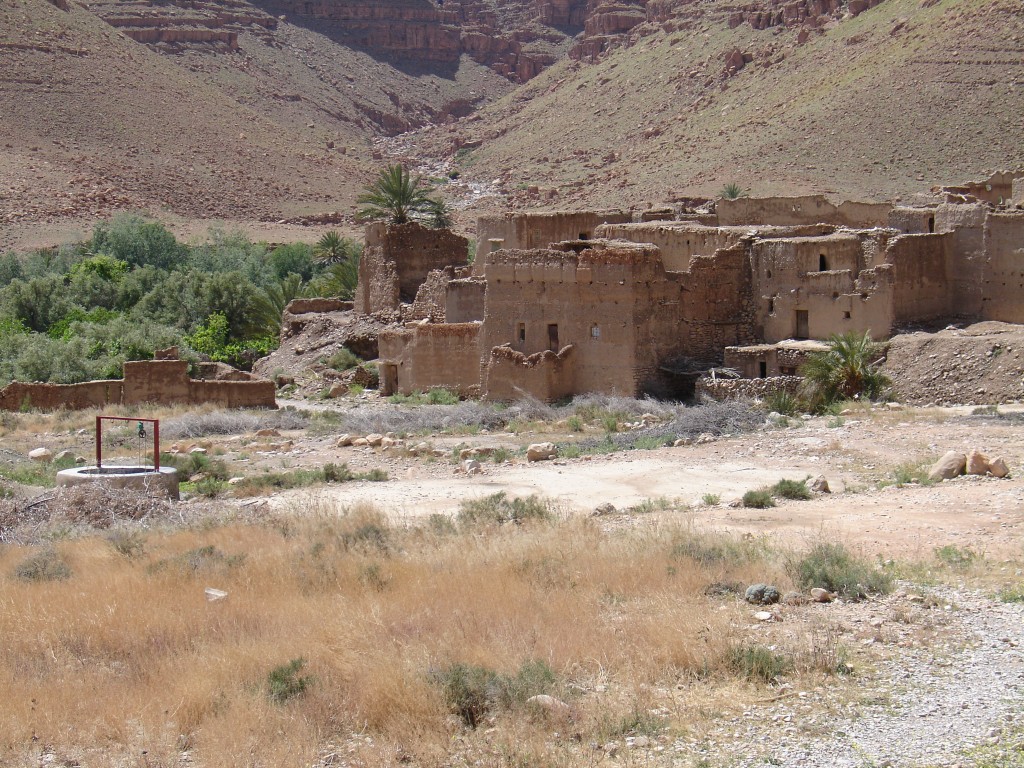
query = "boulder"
x=998 y=467
x=549 y=704
x=360 y=442
x=344 y=441
x=977 y=463
x=820 y=485
x=472 y=467
x=374 y=440
x=41 y=454
x=604 y=509
x=762 y=594
x=949 y=466
x=338 y=390
x=541 y=452
x=820 y=595
x=63 y=455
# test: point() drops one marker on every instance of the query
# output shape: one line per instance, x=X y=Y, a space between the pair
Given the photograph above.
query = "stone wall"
x=677 y=243
x=912 y=221
x=316 y=305
x=746 y=389
x=162 y=382
x=431 y=297
x=511 y=375
x=1004 y=274
x=966 y=227
x=809 y=209
x=525 y=231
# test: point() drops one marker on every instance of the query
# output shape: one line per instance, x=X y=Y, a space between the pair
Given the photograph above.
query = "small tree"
x=733 y=191
x=848 y=368
x=332 y=248
x=397 y=197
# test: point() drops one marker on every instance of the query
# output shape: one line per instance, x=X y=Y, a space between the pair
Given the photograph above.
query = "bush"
x=343 y=360
x=849 y=369
x=955 y=557
x=784 y=403
x=497 y=509
x=758 y=663
x=285 y=682
x=472 y=692
x=138 y=241
x=46 y=565
x=833 y=567
x=792 y=489
x=711 y=499
x=758 y=499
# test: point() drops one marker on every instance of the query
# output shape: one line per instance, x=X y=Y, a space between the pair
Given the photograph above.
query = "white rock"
x=949 y=466
x=764 y=616
x=41 y=454
x=549 y=703
x=344 y=441
x=215 y=594
x=472 y=467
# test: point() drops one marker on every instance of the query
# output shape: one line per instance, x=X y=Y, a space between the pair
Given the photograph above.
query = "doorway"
x=802 y=325
x=553 y=337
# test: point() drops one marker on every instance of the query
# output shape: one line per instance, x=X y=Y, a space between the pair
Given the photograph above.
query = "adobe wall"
x=777 y=359
x=593 y=300
x=145 y=381
x=842 y=298
x=911 y=221
x=377 y=290
x=52 y=397
x=921 y=286
x=1004 y=273
x=525 y=231
x=1017 y=192
x=997 y=189
x=412 y=251
x=316 y=304
x=717 y=304
x=464 y=300
x=965 y=224
x=547 y=375
x=678 y=244
x=808 y=209
x=434 y=355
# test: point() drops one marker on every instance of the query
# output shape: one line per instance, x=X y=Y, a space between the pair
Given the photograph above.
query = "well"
x=162 y=481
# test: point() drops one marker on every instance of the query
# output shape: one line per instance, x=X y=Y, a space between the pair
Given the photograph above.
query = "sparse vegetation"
x=792 y=489
x=285 y=682
x=760 y=498
x=758 y=663
x=45 y=565
x=833 y=567
x=849 y=369
x=498 y=509
x=732 y=191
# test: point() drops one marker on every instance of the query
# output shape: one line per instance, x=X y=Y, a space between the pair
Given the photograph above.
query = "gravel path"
x=931 y=704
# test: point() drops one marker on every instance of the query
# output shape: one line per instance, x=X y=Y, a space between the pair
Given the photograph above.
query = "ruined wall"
x=464 y=300
x=430 y=298
x=717 y=304
x=1004 y=273
x=997 y=189
x=163 y=382
x=912 y=221
x=809 y=209
x=524 y=231
x=921 y=286
x=547 y=375
x=434 y=355
x=677 y=244
x=797 y=299
x=770 y=360
x=966 y=226
x=746 y=389
x=397 y=259
x=594 y=300
x=316 y=305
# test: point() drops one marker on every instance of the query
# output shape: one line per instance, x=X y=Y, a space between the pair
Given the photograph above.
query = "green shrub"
x=833 y=567
x=711 y=499
x=343 y=360
x=958 y=558
x=439 y=396
x=285 y=682
x=575 y=424
x=791 y=489
x=758 y=663
x=1014 y=594
x=712 y=549
x=732 y=191
x=783 y=402
x=45 y=565
x=497 y=509
x=758 y=499
x=473 y=692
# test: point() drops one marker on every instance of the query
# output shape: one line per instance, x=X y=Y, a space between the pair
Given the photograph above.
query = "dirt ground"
x=856 y=454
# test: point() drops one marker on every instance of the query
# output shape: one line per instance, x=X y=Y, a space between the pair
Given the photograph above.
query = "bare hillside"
x=883 y=104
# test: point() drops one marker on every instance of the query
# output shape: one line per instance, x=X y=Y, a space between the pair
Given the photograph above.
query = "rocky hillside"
x=269 y=110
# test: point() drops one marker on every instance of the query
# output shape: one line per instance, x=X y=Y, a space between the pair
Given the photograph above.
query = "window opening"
x=553 y=337
x=822 y=263
x=521 y=332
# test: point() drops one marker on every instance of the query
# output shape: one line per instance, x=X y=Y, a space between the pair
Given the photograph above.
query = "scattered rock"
x=472 y=467
x=360 y=442
x=549 y=704
x=541 y=452
x=343 y=441
x=949 y=466
x=63 y=455
x=794 y=598
x=820 y=485
x=338 y=390
x=41 y=454
x=682 y=441
x=268 y=433
x=765 y=616
x=374 y=440
x=977 y=463
x=604 y=509
x=820 y=595
x=998 y=467
x=762 y=594
x=388 y=442
x=198 y=450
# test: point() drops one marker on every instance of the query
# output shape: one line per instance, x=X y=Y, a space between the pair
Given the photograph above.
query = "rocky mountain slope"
x=268 y=110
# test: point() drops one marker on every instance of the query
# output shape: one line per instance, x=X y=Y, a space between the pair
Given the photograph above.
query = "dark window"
x=553 y=337
x=584 y=236
x=931 y=223
x=521 y=332
x=763 y=369
x=846 y=315
x=822 y=263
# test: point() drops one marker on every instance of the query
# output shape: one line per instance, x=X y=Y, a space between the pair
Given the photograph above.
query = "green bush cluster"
x=79 y=312
x=498 y=508
x=472 y=692
x=833 y=567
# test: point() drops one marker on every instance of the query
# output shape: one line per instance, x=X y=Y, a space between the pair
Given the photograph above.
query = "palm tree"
x=848 y=368
x=440 y=214
x=332 y=248
x=733 y=191
x=396 y=197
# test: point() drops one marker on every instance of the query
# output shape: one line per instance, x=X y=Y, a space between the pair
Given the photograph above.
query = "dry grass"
x=127 y=655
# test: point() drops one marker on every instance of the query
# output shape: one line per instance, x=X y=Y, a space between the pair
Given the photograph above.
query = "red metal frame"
x=99 y=437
